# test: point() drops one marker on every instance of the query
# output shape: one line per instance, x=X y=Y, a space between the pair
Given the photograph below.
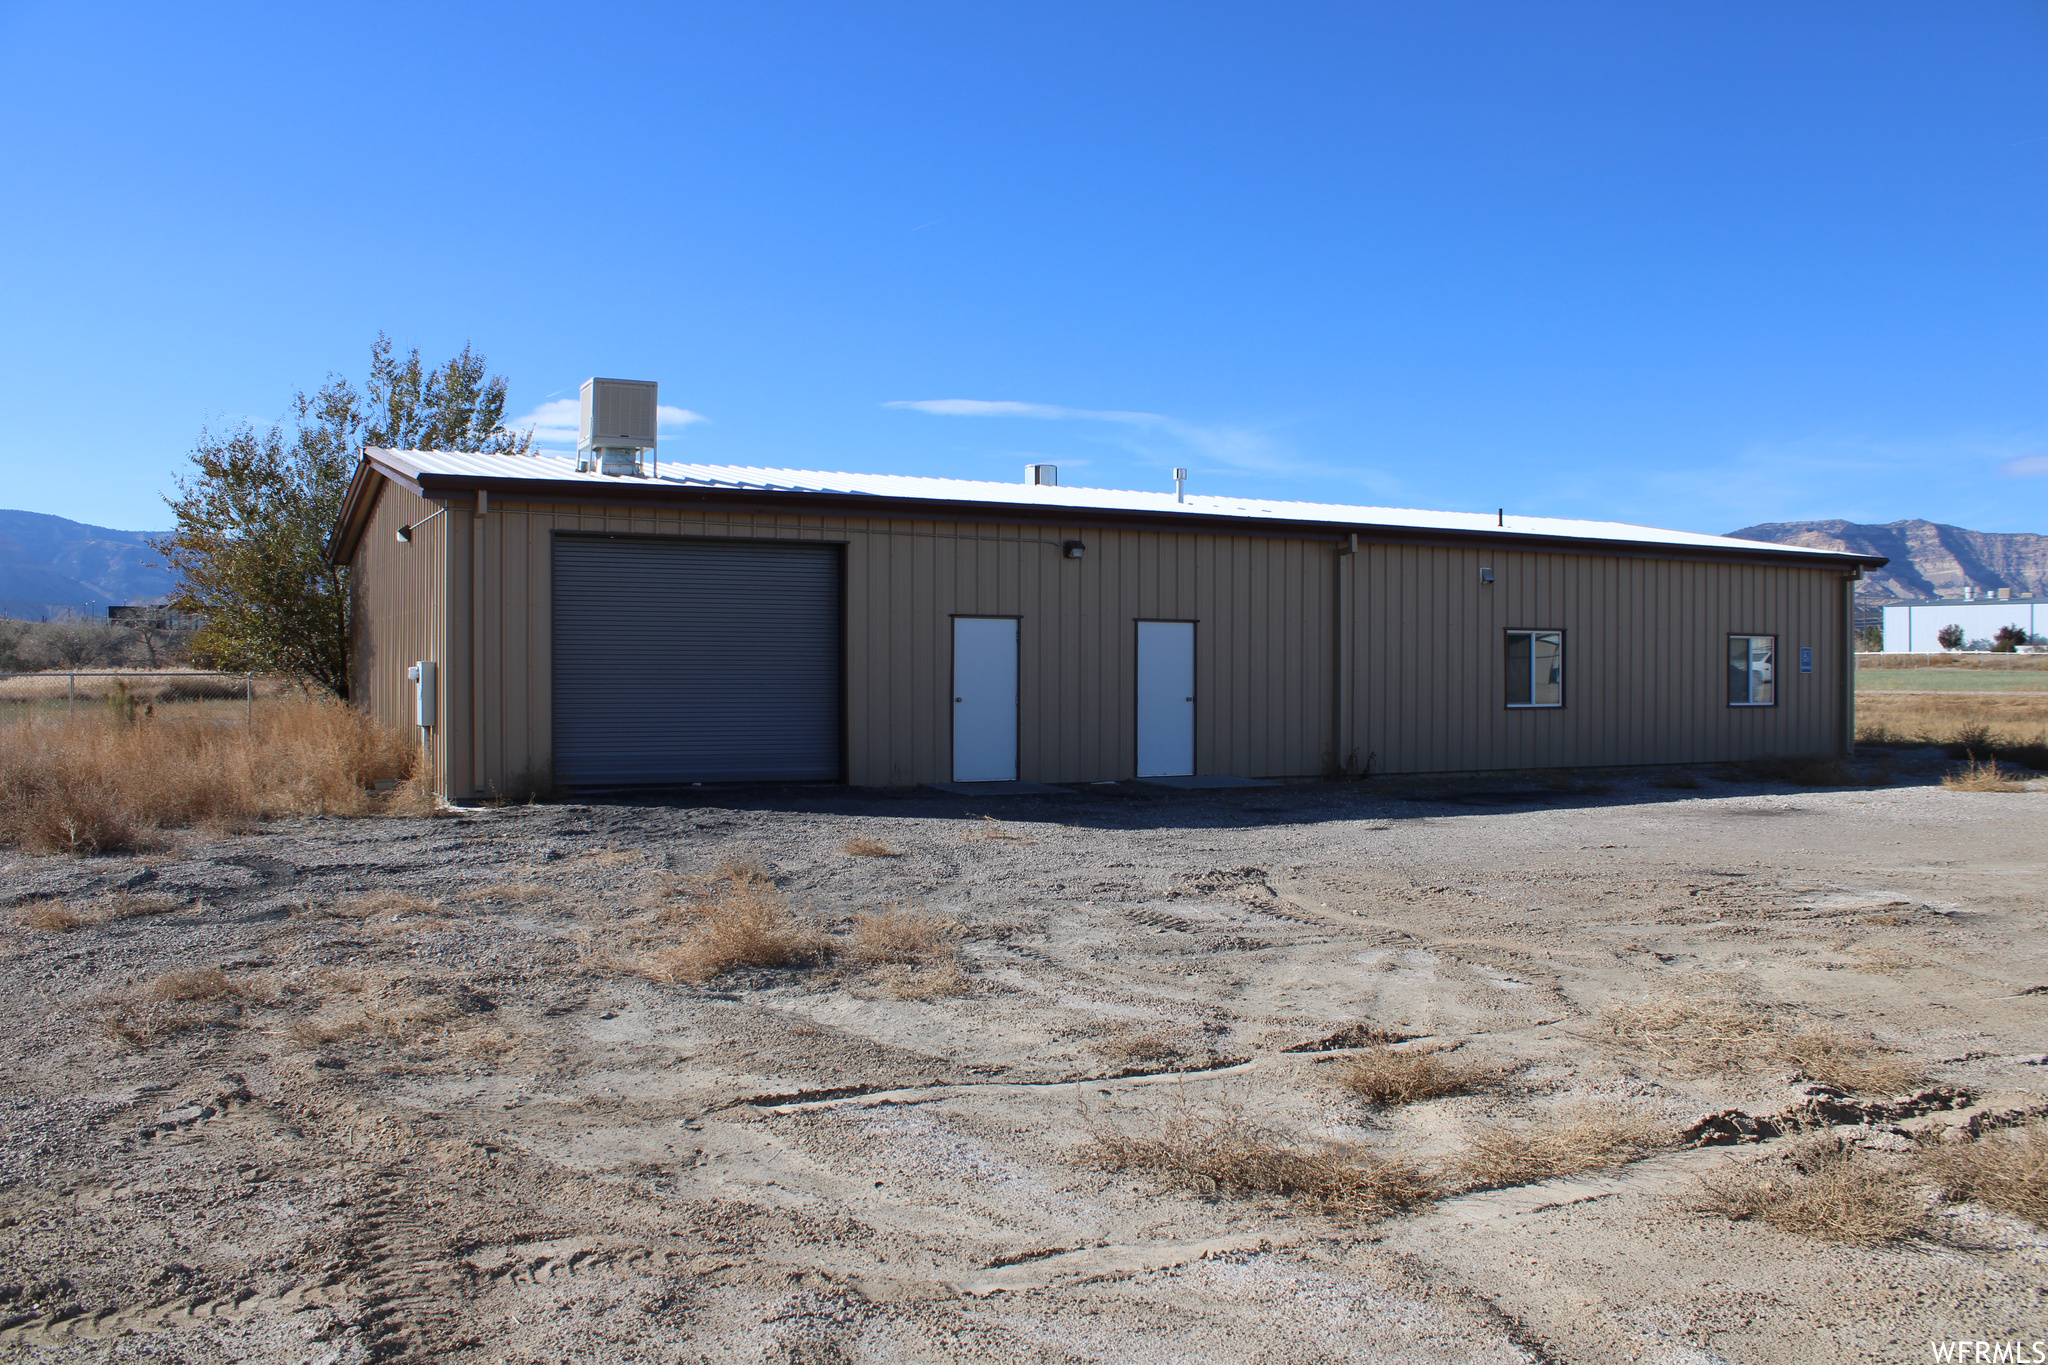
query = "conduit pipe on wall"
x=1848 y=683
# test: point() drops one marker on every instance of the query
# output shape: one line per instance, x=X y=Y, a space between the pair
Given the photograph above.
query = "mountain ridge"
x=53 y=566
x=1928 y=558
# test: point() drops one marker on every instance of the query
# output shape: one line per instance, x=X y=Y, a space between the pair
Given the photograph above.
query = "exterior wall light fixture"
x=1073 y=549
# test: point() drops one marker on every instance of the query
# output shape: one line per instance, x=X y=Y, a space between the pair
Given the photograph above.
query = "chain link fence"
x=127 y=694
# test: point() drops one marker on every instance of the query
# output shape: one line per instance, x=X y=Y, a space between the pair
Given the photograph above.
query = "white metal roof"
x=456 y=464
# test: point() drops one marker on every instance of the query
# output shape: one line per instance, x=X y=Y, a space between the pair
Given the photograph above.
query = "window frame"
x=1563 y=674
x=1727 y=659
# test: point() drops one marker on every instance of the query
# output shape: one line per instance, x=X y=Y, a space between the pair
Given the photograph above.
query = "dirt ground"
x=462 y=1127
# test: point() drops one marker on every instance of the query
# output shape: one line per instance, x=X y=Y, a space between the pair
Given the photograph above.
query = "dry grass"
x=53 y=917
x=164 y=1007
x=869 y=848
x=916 y=953
x=607 y=857
x=1226 y=1152
x=198 y=983
x=734 y=918
x=143 y=1024
x=61 y=917
x=2004 y=663
x=1385 y=1078
x=905 y=936
x=1700 y=1033
x=509 y=893
x=1856 y=1063
x=399 y=1022
x=1566 y=1142
x=993 y=830
x=95 y=784
x=2011 y=726
x=1130 y=1044
x=374 y=903
x=925 y=981
x=1714 y=1035
x=1822 y=1189
x=1981 y=777
x=2005 y=1171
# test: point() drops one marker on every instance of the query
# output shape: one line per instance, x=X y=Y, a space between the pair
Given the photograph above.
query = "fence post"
x=71 y=698
x=249 y=694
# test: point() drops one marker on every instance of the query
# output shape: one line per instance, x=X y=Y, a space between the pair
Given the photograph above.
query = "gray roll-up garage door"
x=695 y=661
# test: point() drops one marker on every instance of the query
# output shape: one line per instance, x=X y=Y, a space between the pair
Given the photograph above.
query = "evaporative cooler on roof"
x=616 y=424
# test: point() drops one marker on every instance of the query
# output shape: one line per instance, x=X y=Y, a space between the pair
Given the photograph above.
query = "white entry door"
x=984 y=699
x=1166 y=698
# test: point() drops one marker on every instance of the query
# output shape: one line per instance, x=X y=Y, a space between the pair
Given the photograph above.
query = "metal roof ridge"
x=551 y=467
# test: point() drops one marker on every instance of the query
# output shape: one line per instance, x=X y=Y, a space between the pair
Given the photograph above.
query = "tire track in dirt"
x=411 y=1280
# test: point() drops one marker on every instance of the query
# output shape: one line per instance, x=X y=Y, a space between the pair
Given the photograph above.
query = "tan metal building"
x=716 y=624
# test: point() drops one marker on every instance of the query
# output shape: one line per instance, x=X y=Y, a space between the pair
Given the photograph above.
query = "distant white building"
x=1912 y=627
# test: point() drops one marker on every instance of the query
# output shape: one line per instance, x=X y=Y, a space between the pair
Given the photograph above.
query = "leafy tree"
x=252 y=517
x=2010 y=638
x=1949 y=637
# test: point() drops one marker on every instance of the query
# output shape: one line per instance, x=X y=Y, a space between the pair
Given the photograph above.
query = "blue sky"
x=1693 y=265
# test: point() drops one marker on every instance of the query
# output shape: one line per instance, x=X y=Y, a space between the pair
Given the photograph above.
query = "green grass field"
x=1950 y=680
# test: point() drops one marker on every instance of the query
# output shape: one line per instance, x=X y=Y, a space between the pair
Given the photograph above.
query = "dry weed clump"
x=373 y=903
x=916 y=953
x=1981 y=777
x=1563 y=1143
x=1385 y=1079
x=902 y=936
x=924 y=981
x=1228 y=1153
x=1712 y=1035
x=198 y=983
x=1133 y=1045
x=54 y=917
x=510 y=893
x=869 y=848
x=1856 y=1063
x=99 y=784
x=993 y=831
x=735 y=918
x=2005 y=1171
x=164 y=1007
x=1823 y=1189
x=144 y=1023
x=61 y=917
x=1706 y=1034
x=400 y=1022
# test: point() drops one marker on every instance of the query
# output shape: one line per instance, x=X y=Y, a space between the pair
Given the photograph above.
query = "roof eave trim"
x=872 y=504
x=357 y=502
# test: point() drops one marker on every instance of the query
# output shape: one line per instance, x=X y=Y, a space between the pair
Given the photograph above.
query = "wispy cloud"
x=1237 y=447
x=2026 y=467
x=554 y=423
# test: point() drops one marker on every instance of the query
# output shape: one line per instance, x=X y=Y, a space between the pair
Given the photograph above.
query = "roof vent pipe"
x=1180 y=479
x=616 y=425
x=1042 y=475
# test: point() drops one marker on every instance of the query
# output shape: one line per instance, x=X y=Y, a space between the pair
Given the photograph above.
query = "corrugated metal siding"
x=1645 y=659
x=1643 y=638
x=399 y=610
